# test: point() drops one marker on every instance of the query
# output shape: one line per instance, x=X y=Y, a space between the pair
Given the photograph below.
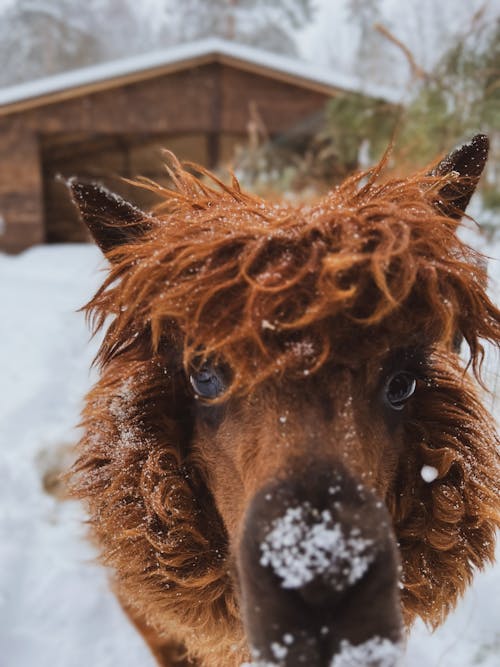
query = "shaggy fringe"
x=240 y=279
x=226 y=275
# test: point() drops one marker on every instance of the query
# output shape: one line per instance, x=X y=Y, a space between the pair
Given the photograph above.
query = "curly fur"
x=218 y=273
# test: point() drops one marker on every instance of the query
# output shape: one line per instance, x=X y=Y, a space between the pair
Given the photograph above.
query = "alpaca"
x=285 y=460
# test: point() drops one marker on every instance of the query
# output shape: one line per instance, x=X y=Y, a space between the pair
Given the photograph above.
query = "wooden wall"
x=108 y=159
x=199 y=113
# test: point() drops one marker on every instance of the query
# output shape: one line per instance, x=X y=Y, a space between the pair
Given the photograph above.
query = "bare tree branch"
x=416 y=70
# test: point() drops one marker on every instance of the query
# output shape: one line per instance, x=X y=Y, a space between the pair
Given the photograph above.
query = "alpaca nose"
x=318 y=572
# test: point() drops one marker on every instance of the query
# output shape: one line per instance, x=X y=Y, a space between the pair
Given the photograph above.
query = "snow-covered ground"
x=55 y=606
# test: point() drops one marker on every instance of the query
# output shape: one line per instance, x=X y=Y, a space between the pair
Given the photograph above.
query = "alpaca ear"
x=468 y=162
x=111 y=220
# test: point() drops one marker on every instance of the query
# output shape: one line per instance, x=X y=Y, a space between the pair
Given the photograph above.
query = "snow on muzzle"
x=318 y=571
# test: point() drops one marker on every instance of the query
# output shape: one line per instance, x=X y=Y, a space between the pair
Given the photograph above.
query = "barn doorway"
x=107 y=159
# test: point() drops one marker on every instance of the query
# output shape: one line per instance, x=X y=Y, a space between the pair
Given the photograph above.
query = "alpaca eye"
x=399 y=388
x=207 y=382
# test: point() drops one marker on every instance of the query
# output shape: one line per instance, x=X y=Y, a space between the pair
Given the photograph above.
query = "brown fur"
x=283 y=294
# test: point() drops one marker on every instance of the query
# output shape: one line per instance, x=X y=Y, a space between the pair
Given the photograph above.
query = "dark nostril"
x=310 y=551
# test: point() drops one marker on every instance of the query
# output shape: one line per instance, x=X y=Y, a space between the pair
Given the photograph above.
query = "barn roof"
x=150 y=65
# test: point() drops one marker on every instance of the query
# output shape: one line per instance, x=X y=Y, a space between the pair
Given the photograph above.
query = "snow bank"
x=55 y=606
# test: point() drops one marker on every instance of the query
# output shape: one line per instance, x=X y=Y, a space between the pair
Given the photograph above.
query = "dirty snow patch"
x=305 y=543
x=375 y=652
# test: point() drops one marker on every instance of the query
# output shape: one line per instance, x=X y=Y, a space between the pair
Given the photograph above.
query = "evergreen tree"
x=459 y=97
x=43 y=37
x=39 y=38
x=373 y=52
x=264 y=23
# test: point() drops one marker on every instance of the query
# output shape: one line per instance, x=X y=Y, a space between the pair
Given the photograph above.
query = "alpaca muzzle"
x=318 y=572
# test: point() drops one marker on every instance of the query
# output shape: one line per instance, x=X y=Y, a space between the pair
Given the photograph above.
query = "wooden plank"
x=20 y=193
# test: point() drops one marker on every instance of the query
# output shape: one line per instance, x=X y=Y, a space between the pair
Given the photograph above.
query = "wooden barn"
x=109 y=121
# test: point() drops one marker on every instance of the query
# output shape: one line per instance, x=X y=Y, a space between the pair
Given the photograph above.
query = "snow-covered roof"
x=139 y=67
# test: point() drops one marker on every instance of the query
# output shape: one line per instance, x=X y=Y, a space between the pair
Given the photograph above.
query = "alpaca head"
x=285 y=451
